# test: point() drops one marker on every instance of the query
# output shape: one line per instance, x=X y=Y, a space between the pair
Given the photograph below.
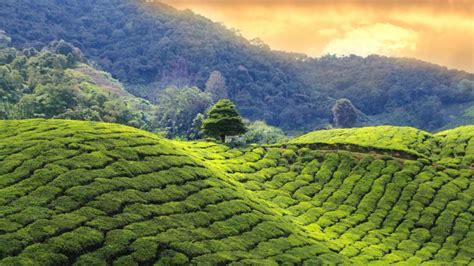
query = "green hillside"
x=455 y=146
x=405 y=139
x=91 y=193
x=458 y=145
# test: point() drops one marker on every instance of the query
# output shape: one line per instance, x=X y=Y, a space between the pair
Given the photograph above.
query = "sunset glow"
x=437 y=31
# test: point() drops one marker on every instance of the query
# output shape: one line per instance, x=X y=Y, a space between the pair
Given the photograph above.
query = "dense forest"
x=151 y=46
x=58 y=82
x=55 y=82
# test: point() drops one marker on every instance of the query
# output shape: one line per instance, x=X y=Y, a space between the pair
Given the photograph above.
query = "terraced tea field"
x=89 y=193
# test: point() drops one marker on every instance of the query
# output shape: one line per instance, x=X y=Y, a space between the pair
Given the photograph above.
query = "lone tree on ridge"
x=345 y=114
x=223 y=120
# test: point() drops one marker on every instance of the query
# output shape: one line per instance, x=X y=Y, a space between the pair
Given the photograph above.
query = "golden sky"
x=438 y=31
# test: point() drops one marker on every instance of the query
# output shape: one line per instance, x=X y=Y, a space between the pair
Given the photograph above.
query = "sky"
x=438 y=31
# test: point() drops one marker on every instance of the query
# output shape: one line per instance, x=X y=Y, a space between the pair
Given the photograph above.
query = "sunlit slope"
x=372 y=207
x=404 y=139
x=95 y=194
x=453 y=147
x=458 y=146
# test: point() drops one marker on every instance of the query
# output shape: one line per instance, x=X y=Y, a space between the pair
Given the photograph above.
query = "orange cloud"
x=439 y=31
x=379 y=38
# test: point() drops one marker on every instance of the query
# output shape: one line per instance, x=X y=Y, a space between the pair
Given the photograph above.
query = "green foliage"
x=363 y=207
x=386 y=138
x=89 y=193
x=261 y=133
x=458 y=146
x=344 y=113
x=216 y=86
x=223 y=120
x=55 y=84
x=178 y=111
x=5 y=40
x=469 y=112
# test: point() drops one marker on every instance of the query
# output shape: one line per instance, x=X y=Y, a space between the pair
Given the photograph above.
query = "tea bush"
x=89 y=193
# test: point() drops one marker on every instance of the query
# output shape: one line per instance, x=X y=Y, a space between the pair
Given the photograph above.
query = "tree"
x=5 y=40
x=73 y=54
x=344 y=113
x=216 y=86
x=223 y=120
x=427 y=112
x=178 y=107
x=260 y=132
x=195 y=132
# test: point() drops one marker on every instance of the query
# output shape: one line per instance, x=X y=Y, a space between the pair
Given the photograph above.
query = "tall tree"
x=5 y=40
x=178 y=107
x=223 y=120
x=195 y=132
x=216 y=86
x=344 y=113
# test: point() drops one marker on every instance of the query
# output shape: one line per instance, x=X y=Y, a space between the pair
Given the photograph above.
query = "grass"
x=89 y=193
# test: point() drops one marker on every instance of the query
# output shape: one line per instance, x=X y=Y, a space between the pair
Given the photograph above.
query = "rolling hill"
x=150 y=46
x=88 y=193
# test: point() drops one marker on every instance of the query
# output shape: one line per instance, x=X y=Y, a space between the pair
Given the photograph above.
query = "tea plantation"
x=85 y=193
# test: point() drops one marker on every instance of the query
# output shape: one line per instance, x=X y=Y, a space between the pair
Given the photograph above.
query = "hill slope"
x=78 y=192
x=403 y=139
x=150 y=46
x=93 y=193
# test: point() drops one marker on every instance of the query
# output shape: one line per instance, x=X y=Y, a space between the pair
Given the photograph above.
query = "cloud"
x=328 y=32
x=459 y=6
x=379 y=38
x=439 y=31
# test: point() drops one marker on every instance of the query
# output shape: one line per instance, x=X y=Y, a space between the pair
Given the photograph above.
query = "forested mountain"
x=150 y=46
